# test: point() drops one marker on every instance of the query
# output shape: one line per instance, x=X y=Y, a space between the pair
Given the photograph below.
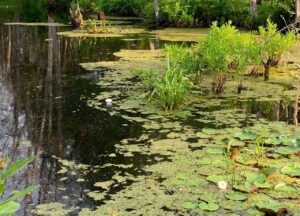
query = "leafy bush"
x=9 y=206
x=275 y=10
x=273 y=45
x=225 y=50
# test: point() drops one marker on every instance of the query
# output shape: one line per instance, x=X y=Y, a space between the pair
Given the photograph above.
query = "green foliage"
x=225 y=49
x=204 y=12
x=183 y=57
x=168 y=89
x=95 y=26
x=113 y=7
x=9 y=206
x=260 y=141
x=274 y=44
x=275 y=10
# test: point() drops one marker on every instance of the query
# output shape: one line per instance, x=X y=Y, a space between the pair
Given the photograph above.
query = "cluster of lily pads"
x=272 y=175
x=234 y=164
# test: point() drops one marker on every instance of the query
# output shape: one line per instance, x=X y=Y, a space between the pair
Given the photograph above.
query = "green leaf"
x=270 y=206
x=215 y=150
x=265 y=185
x=203 y=135
x=246 y=135
x=293 y=171
x=255 y=177
x=209 y=206
x=15 y=167
x=210 y=131
x=287 y=150
x=182 y=176
x=19 y=195
x=273 y=141
x=216 y=178
x=2 y=188
x=189 y=205
x=286 y=188
x=236 y=196
x=9 y=208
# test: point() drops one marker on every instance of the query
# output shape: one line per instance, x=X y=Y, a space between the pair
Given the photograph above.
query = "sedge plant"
x=10 y=206
x=168 y=89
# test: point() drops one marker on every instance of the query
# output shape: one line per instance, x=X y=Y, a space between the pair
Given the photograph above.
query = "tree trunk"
x=267 y=72
x=253 y=11
x=297 y=7
x=156 y=12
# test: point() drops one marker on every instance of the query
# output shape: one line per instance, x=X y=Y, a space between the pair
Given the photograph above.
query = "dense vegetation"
x=197 y=12
x=224 y=52
x=180 y=13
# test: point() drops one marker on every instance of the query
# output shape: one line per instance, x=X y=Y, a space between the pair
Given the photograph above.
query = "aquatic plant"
x=274 y=44
x=94 y=26
x=225 y=50
x=169 y=89
x=260 y=141
x=184 y=58
x=9 y=206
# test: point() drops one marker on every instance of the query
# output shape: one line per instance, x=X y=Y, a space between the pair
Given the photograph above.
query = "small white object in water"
x=108 y=101
x=222 y=185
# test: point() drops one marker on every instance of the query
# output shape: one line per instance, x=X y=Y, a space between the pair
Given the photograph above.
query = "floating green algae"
x=181 y=34
x=109 y=32
x=186 y=162
x=57 y=209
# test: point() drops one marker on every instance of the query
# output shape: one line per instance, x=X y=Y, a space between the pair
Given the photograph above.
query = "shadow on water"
x=43 y=100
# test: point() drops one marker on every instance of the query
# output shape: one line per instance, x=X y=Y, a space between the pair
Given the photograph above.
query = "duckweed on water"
x=183 y=174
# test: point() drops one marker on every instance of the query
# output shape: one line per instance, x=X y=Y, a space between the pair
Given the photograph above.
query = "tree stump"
x=77 y=18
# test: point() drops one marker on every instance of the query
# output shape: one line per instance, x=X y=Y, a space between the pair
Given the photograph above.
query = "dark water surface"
x=43 y=94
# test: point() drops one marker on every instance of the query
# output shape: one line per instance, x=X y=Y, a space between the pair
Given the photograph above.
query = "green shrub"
x=275 y=10
x=273 y=45
x=225 y=50
x=9 y=206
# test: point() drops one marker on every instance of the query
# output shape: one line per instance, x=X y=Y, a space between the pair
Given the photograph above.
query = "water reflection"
x=42 y=100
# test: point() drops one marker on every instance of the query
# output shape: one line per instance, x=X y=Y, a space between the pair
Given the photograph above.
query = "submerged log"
x=76 y=18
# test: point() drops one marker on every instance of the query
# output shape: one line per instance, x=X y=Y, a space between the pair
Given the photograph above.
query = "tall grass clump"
x=168 y=89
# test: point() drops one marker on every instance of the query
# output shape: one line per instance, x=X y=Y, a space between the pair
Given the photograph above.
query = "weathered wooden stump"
x=76 y=18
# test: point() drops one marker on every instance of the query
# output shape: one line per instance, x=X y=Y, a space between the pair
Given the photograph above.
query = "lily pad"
x=182 y=176
x=285 y=188
x=209 y=206
x=246 y=135
x=293 y=171
x=287 y=150
x=216 y=178
x=265 y=185
x=273 y=141
x=189 y=205
x=236 y=196
x=270 y=206
x=215 y=150
x=210 y=131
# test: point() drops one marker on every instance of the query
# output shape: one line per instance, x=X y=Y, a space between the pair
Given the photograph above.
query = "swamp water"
x=129 y=158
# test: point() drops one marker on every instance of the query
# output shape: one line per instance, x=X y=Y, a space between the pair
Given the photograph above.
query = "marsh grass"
x=168 y=90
